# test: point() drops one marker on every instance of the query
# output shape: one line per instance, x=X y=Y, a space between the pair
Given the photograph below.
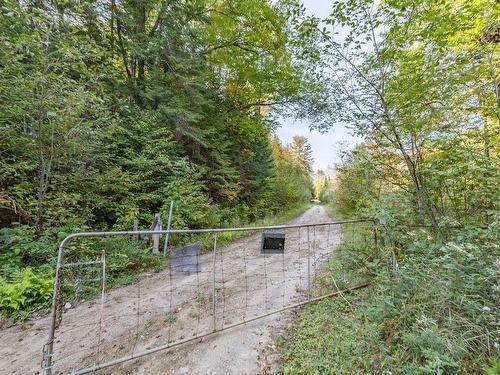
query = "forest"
x=419 y=81
x=111 y=109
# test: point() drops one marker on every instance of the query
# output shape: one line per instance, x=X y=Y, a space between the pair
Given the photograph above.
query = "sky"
x=325 y=146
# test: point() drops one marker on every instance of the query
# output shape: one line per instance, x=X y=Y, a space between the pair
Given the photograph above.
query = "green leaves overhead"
x=408 y=76
x=110 y=110
x=246 y=45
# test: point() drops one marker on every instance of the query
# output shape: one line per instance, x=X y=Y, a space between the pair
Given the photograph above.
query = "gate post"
x=48 y=348
x=169 y=223
x=308 y=264
x=213 y=282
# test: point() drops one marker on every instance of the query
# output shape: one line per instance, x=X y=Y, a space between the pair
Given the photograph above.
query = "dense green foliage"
x=25 y=293
x=109 y=110
x=438 y=315
x=419 y=80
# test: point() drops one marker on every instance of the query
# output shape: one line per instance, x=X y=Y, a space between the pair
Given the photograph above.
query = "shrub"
x=438 y=315
x=25 y=294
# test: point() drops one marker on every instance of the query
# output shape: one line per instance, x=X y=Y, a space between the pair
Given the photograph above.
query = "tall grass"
x=438 y=315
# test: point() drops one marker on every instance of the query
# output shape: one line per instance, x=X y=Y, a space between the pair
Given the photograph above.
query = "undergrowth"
x=439 y=314
x=28 y=289
x=24 y=294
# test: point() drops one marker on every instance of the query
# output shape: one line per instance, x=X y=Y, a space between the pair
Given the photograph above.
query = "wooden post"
x=156 y=237
x=136 y=236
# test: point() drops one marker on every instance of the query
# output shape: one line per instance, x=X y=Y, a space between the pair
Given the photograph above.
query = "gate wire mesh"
x=235 y=284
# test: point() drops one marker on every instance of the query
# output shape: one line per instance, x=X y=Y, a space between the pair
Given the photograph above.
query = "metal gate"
x=218 y=283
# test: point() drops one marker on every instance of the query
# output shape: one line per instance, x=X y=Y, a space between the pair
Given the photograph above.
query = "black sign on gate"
x=272 y=243
x=185 y=260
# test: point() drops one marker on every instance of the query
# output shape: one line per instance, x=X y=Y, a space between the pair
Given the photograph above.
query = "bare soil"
x=163 y=308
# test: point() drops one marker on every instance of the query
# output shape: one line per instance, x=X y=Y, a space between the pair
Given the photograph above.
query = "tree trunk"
x=416 y=180
x=141 y=63
x=40 y=198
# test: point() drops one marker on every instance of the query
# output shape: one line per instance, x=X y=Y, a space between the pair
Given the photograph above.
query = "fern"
x=24 y=293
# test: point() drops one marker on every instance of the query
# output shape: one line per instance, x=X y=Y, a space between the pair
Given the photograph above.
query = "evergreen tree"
x=301 y=152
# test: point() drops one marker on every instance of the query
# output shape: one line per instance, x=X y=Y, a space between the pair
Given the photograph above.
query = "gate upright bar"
x=214 y=296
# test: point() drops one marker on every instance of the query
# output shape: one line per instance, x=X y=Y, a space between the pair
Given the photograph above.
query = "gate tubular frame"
x=48 y=348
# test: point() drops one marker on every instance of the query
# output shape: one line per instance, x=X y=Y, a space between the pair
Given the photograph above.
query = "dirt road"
x=164 y=308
